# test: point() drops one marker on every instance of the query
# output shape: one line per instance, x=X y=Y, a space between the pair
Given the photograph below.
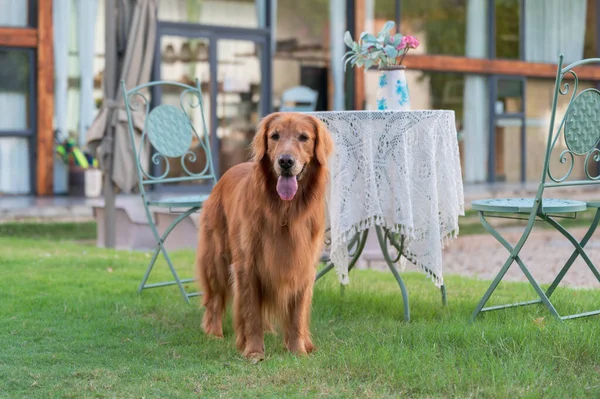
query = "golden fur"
x=260 y=250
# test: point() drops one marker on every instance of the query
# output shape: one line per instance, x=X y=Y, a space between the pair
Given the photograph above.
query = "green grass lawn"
x=73 y=326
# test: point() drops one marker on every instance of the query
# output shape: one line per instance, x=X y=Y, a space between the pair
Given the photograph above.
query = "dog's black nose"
x=286 y=162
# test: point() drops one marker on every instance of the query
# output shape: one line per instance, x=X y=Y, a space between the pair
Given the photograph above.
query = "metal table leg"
x=383 y=235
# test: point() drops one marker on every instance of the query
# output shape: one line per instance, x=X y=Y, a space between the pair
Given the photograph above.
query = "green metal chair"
x=580 y=129
x=170 y=131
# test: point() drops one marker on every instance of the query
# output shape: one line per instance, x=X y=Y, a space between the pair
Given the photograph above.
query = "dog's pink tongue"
x=287 y=187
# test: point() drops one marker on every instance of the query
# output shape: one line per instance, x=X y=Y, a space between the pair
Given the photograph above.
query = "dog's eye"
x=303 y=137
x=275 y=136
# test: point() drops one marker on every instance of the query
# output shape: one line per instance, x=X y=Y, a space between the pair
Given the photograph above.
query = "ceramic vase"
x=392 y=89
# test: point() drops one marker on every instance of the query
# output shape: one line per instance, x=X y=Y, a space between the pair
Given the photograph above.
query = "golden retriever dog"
x=262 y=232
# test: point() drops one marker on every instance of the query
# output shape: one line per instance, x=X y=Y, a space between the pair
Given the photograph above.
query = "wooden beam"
x=18 y=37
x=482 y=66
x=45 y=100
x=359 y=73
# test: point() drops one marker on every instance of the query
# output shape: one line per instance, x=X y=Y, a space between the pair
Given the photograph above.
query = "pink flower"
x=408 y=41
x=402 y=44
x=411 y=41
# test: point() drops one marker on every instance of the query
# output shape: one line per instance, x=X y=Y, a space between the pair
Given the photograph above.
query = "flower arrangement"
x=383 y=50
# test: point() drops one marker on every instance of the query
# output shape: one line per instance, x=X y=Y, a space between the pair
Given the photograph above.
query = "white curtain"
x=553 y=27
x=14 y=13
x=337 y=18
x=475 y=107
x=14 y=151
x=74 y=74
x=86 y=20
x=61 y=22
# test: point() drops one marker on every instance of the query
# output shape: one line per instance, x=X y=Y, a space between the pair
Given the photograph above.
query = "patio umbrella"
x=130 y=41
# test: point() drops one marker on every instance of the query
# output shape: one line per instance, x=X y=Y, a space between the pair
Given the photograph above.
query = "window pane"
x=184 y=60
x=14 y=89
x=302 y=50
x=509 y=96
x=14 y=13
x=235 y=13
x=508 y=130
x=447 y=27
x=238 y=99
x=508 y=14
x=14 y=165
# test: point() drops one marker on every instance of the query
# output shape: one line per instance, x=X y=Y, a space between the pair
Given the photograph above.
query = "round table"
x=397 y=172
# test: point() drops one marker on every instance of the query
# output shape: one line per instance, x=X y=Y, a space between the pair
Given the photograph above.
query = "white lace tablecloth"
x=399 y=170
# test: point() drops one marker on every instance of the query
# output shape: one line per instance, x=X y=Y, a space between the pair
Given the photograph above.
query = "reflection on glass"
x=507 y=29
x=509 y=94
x=238 y=99
x=235 y=13
x=301 y=55
x=14 y=89
x=508 y=150
x=183 y=60
x=441 y=23
x=508 y=145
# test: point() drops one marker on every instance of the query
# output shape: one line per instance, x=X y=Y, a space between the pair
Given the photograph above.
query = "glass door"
x=232 y=68
x=184 y=60
x=238 y=99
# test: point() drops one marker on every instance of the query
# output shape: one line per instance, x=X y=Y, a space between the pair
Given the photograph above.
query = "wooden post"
x=45 y=100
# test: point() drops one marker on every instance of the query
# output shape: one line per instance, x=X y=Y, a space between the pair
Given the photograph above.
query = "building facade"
x=491 y=61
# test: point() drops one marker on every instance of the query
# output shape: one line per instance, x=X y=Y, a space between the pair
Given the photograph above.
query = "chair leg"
x=160 y=248
x=381 y=236
x=149 y=269
x=514 y=256
x=538 y=289
x=577 y=252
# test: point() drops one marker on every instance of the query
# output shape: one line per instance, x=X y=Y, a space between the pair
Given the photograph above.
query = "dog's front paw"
x=309 y=346
x=254 y=357
x=300 y=347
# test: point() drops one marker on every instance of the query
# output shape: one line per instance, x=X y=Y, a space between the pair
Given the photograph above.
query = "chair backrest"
x=302 y=98
x=578 y=130
x=171 y=131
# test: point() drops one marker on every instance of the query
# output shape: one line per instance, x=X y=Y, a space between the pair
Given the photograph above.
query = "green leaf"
x=397 y=38
x=390 y=51
x=388 y=25
x=348 y=39
x=369 y=38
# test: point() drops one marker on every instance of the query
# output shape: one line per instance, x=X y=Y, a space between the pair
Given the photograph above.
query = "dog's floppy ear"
x=324 y=144
x=259 y=143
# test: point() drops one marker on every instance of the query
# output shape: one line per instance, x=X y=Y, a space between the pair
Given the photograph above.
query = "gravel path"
x=481 y=256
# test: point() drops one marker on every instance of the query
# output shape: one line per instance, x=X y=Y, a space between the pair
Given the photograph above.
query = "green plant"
x=384 y=50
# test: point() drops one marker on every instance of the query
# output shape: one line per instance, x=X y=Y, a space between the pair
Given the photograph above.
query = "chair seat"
x=524 y=205
x=188 y=201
